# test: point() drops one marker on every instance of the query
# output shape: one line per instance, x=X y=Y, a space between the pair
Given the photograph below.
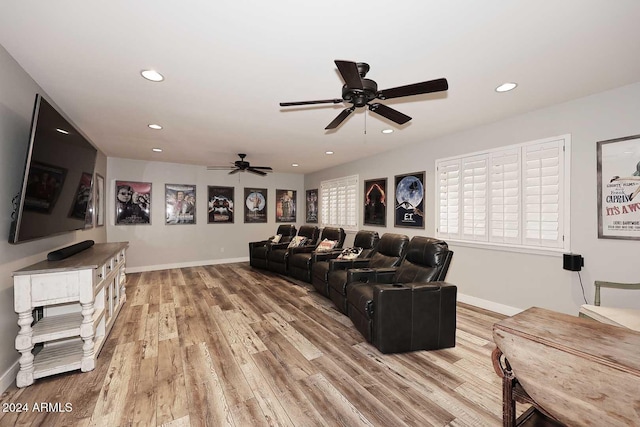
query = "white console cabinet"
x=81 y=297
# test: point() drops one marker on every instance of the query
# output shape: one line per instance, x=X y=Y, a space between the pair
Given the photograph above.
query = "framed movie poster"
x=255 y=205
x=80 y=205
x=44 y=185
x=312 y=206
x=99 y=201
x=619 y=188
x=409 y=200
x=220 y=205
x=180 y=204
x=285 y=206
x=375 y=202
x=90 y=214
x=133 y=203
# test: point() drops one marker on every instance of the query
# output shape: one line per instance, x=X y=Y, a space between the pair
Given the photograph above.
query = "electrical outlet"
x=221 y=249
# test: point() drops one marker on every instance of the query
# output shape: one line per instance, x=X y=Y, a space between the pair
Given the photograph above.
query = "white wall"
x=523 y=280
x=158 y=246
x=16 y=107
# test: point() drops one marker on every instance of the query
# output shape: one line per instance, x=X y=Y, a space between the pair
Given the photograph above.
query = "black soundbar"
x=66 y=252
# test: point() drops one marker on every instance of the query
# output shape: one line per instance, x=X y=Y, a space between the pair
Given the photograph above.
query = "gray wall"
x=520 y=280
x=158 y=246
x=16 y=106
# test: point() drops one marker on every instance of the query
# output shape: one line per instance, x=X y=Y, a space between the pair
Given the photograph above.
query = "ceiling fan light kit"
x=359 y=92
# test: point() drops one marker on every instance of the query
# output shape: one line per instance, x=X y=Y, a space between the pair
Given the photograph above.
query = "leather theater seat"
x=258 y=251
x=388 y=253
x=300 y=259
x=323 y=263
x=406 y=308
x=279 y=253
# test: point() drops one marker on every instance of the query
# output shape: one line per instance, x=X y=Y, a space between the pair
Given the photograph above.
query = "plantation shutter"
x=543 y=193
x=474 y=198
x=339 y=206
x=504 y=205
x=449 y=198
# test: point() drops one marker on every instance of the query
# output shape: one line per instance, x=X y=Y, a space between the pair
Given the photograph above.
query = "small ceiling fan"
x=359 y=92
x=241 y=166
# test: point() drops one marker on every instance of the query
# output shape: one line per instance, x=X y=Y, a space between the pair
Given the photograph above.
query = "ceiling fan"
x=359 y=92
x=241 y=166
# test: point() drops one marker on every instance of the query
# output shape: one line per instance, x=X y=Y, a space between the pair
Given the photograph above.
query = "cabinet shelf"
x=58 y=358
x=57 y=327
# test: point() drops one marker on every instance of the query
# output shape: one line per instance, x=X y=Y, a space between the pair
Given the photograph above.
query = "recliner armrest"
x=364 y=275
x=278 y=246
x=324 y=256
x=384 y=275
x=302 y=250
x=259 y=243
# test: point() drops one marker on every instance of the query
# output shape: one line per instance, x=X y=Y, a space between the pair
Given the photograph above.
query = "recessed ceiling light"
x=295 y=165
x=152 y=75
x=62 y=131
x=157 y=150
x=387 y=130
x=328 y=152
x=154 y=126
x=506 y=87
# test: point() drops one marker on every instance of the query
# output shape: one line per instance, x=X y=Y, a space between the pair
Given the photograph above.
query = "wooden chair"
x=625 y=317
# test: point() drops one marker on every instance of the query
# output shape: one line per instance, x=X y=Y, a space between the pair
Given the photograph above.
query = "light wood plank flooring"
x=232 y=345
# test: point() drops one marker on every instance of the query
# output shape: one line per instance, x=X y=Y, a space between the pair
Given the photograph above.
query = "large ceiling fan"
x=359 y=92
x=242 y=166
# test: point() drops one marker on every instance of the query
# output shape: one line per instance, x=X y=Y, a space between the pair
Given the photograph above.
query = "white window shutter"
x=504 y=200
x=543 y=193
x=339 y=202
x=448 y=198
x=474 y=198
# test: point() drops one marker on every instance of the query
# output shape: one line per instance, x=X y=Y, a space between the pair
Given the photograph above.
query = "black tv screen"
x=57 y=179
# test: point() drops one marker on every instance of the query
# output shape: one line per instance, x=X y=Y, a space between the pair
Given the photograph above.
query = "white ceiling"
x=228 y=64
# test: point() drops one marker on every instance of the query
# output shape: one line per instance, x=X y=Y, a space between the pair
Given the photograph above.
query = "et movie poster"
x=255 y=205
x=619 y=188
x=409 y=205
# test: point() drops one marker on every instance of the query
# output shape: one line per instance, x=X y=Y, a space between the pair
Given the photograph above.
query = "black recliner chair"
x=323 y=263
x=258 y=250
x=410 y=307
x=388 y=253
x=279 y=253
x=301 y=259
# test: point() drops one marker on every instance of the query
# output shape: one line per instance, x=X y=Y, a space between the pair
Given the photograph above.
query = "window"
x=512 y=196
x=339 y=203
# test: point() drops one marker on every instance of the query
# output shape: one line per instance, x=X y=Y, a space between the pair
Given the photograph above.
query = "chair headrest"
x=426 y=251
x=393 y=245
x=366 y=239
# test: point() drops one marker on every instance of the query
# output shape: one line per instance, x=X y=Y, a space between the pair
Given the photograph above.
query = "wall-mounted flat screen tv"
x=57 y=178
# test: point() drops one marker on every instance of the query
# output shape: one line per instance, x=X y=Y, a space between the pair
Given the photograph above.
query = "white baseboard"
x=489 y=305
x=9 y=377
x=185 y=264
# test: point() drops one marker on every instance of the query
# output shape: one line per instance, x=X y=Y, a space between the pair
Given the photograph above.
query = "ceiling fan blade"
x=235 y=171
x=257 y=172
x=322 y=101
x=219 y=168
x=341 y=117
x=430 y=86
x=388 y=112
x=350 y=74
x=267 y=168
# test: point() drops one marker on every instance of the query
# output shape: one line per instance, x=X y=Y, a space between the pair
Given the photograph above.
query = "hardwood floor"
x=232 y=345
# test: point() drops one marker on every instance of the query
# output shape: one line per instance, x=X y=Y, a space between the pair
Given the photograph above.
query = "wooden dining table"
x=574 y=371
